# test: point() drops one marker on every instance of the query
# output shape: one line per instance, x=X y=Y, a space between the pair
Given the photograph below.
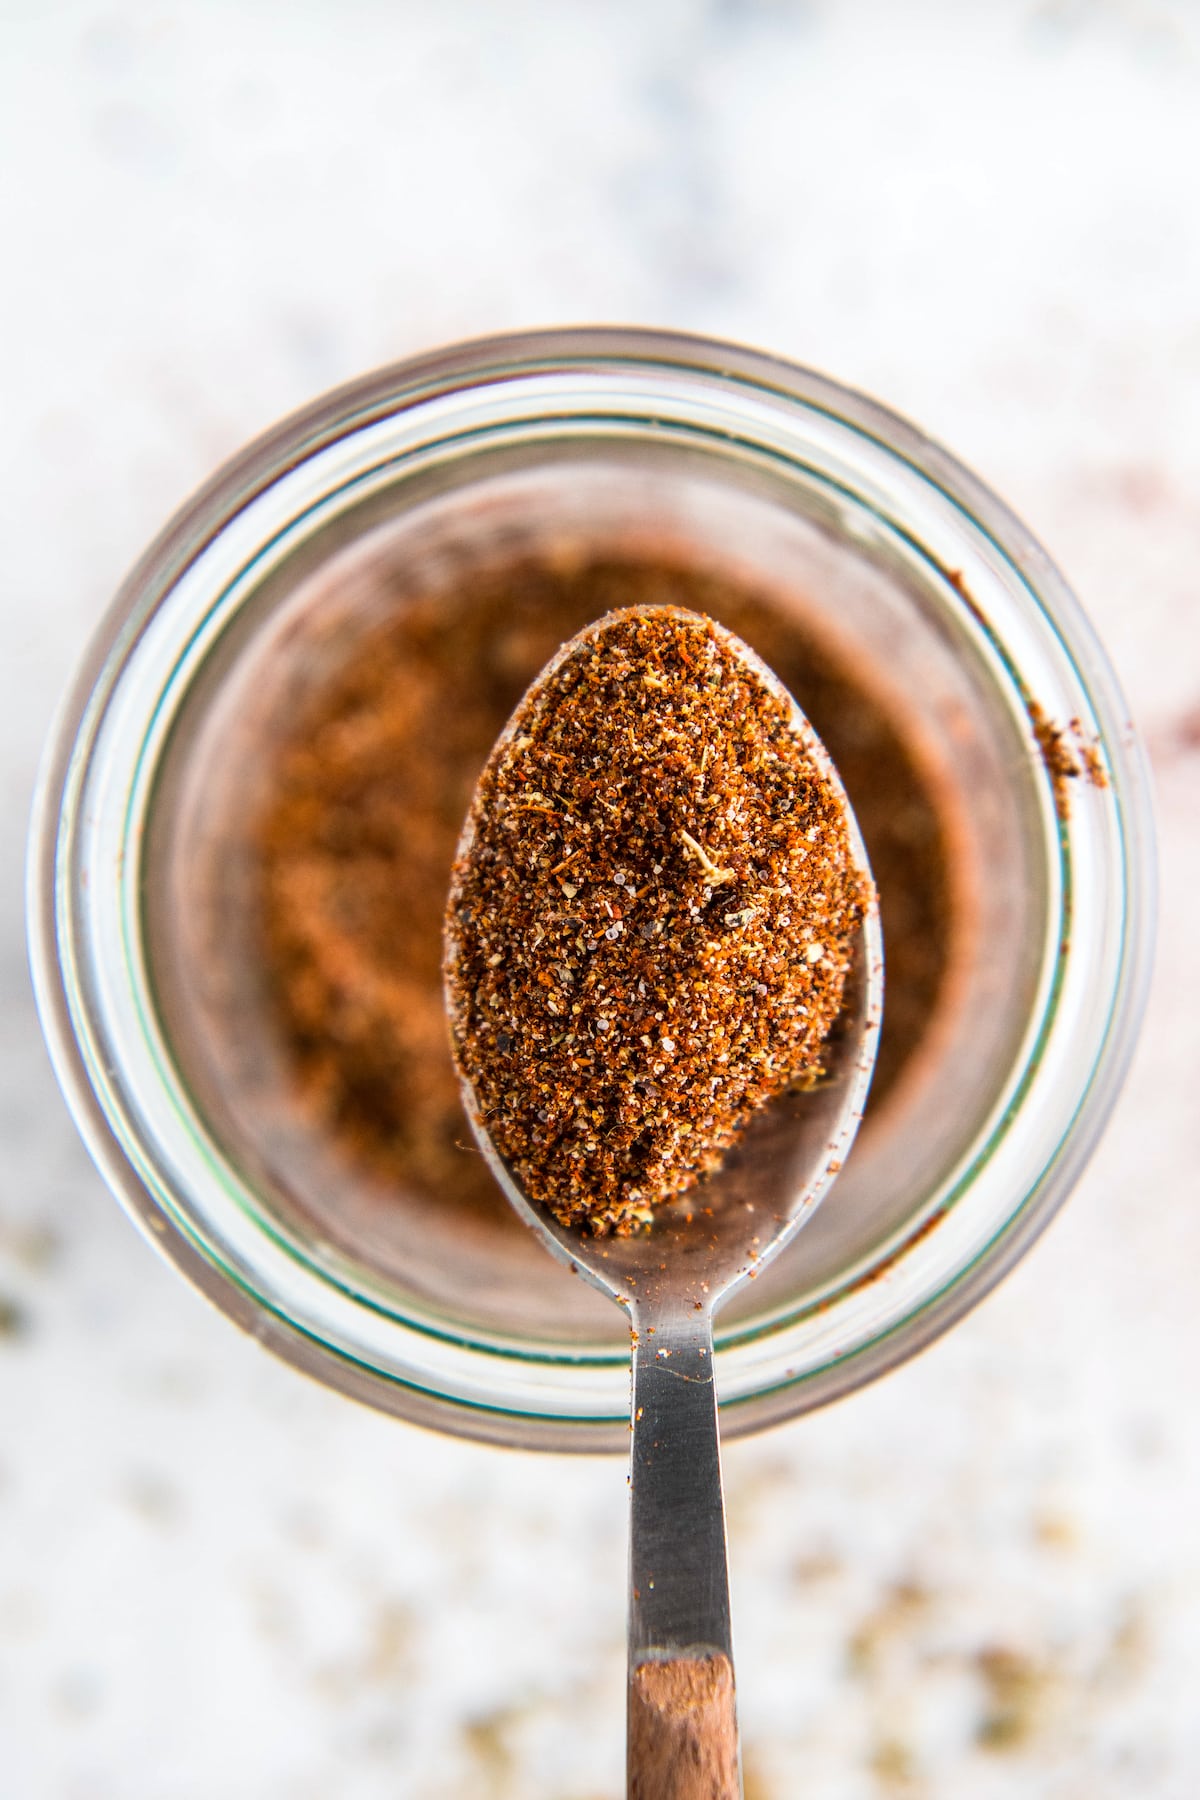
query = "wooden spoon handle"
x=682 y=1737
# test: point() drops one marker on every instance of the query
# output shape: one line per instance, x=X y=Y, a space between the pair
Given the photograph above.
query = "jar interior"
x=322 y=758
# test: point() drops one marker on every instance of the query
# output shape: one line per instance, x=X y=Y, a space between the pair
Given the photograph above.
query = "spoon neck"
x=664 y=1317
x=679 y=1585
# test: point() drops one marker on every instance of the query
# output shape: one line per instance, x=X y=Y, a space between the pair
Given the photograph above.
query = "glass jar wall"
x=472 y=509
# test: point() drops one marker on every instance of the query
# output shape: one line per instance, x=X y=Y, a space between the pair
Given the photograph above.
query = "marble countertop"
x=981 y=1576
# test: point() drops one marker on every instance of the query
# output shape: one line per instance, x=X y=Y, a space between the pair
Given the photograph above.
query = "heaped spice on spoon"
x=651 y=915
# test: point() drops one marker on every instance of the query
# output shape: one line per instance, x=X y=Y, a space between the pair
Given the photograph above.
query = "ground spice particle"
x=1067 y=755
x=651 y=917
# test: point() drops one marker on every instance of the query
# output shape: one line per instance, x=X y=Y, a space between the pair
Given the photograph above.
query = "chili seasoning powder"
x=651 y=916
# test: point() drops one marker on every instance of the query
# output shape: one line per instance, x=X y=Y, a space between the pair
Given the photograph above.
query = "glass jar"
x=564 y=444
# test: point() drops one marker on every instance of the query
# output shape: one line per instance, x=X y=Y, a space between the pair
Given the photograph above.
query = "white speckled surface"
x=981 y=1577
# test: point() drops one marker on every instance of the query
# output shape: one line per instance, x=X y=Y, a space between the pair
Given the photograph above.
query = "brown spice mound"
x=651 y=918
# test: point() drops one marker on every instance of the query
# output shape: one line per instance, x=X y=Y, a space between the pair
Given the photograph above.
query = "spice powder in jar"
x=364 y=795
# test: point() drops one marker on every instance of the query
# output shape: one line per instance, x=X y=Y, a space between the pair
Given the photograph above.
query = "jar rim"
x=736 y=380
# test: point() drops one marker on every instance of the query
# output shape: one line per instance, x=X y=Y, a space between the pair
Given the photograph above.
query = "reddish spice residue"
x=878 y=1270
x=1067 y=751
x=652 y=917
x=1068 y=755
x=1062 y=765
x=1089 y=756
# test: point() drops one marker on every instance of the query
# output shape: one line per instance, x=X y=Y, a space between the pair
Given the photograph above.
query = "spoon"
x=670 y=1279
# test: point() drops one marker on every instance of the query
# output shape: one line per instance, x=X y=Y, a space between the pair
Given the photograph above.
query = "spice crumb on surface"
x=1068 y=755
x=14 y=1320
x=617 y=1039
